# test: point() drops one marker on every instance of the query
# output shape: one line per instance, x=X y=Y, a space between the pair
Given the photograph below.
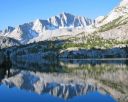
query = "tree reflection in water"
x=69 y=78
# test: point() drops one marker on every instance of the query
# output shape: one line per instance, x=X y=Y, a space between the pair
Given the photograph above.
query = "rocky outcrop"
x=6 y=42
x=119 y=11
x=28 y=31
x=94 y=53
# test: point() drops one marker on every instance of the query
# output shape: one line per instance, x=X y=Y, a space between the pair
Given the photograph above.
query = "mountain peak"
x=37 y=21
x=65 y=20
x=67 y=13
x=124 y=2
x=9 y=29
x=120 y=11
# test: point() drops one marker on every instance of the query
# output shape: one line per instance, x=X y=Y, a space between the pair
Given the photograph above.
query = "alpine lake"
x=33 y=79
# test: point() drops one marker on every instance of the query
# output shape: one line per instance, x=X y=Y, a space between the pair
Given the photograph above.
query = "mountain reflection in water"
x=67 y=79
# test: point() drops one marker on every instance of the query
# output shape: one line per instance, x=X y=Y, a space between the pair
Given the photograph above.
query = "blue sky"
x=15 y=12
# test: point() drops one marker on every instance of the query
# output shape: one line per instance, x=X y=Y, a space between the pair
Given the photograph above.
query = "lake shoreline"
x=95 y=58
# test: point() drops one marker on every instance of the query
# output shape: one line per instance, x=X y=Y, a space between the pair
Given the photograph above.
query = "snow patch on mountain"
x=124 y=3
x=119 y=11
x=66 y=24
x=7 y=42
x=44 y=29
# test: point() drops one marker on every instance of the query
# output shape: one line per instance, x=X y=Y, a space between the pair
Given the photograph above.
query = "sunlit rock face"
x=124 y=2
x=119 y=11
x=6 y=42
x=68 y=25
x=37 y=30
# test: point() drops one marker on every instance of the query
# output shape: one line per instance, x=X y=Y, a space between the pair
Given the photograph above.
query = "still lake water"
x=64 y=81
